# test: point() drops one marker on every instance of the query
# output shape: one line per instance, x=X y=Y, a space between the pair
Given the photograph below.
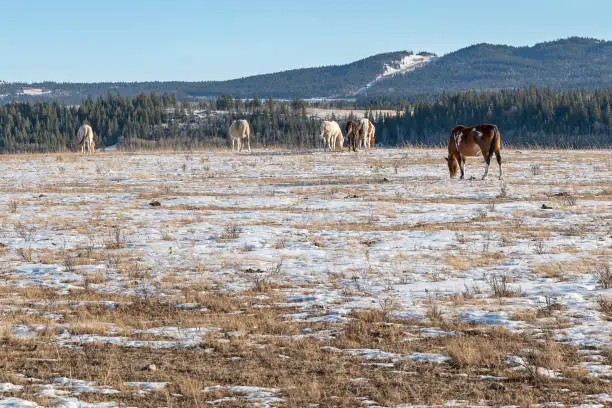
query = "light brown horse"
x=472 y=141
x=85 y=137
x=240 y=130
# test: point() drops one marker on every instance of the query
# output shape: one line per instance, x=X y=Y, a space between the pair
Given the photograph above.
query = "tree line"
x=152 y=121
x=526 y=117
x=529 y=117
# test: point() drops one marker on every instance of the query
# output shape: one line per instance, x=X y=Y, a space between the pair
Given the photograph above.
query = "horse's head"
x=453 y=166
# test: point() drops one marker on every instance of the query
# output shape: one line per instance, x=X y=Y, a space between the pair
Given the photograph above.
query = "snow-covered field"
x=33 y=91
x=341 y=113
x=284 y=278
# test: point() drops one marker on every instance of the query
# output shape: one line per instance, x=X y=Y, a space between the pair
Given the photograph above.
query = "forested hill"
x=572 y=63
x=329 y=81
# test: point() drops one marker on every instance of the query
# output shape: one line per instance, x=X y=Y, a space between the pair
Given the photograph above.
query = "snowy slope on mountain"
x=407 y=64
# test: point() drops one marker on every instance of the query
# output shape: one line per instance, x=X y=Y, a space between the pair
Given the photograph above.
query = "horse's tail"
x=494 y=141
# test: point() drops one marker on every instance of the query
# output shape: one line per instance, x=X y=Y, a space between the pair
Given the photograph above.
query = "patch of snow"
x=437 y=332
x=34 y=91
x=185 y=337
x=8 y=387
x=24 y=332
x=80 y=386
x=147 y=386
x=545 y=372
x=376 y=354
x=17 y=403
x=515 y=361
x=430 y=358
x=408 y=63
x=56 y=393
x=263 y=397
x=492 y=318
x=598 y=370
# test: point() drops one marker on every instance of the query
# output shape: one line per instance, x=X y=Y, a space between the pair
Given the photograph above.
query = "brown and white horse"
x=360 y=133
x=472 y=141
x=85 y=137
x=368 y=141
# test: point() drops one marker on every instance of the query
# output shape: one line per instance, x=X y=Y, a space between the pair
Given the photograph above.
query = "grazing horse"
x=239 y=130
x=360 y=133
x=353 y=134
x=331 y=135
x=472 y=141
x=85 y=137
x=340 y=141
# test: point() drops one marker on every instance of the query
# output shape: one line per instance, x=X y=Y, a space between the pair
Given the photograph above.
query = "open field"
x=305 y=279
x=339 y=113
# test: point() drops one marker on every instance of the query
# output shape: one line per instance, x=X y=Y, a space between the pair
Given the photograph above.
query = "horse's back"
x=240 y=128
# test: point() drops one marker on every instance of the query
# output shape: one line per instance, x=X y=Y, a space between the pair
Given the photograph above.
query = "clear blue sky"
x=130 y=40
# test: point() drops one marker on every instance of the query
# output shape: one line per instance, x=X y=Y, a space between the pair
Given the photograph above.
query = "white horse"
x=332 y=135
x=85 y=137
x=340 y=141
x=239 y=130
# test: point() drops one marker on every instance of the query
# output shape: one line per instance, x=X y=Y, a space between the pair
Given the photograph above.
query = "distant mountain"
x=329 y=82
x=563 y=64
x=325 y=82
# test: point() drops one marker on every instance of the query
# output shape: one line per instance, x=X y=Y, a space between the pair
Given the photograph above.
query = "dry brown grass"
x=469 y=261
x=559 y=269
x=270 y=352
x=605 y=306
x=465 y=352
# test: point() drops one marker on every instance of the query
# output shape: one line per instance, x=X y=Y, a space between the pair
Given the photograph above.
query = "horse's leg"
x=249 y=143
x=498 y=157
x=487 y=159
x=461 y=161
